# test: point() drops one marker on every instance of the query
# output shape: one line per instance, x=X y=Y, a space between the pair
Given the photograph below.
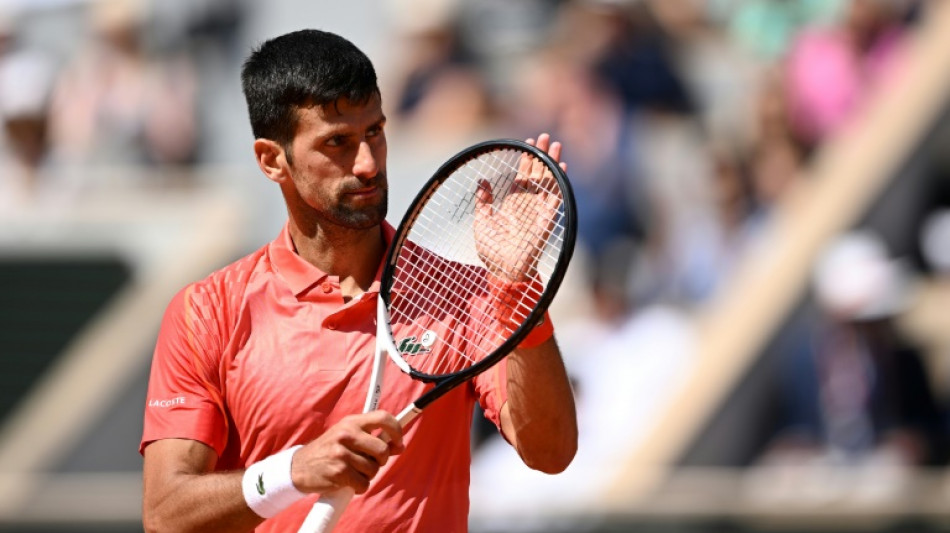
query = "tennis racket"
x=471 y=270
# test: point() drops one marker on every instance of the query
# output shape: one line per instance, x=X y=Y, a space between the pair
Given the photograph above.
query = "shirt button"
x=327 y=288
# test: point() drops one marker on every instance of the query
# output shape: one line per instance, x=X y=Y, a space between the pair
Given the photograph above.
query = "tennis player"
x=259 y=368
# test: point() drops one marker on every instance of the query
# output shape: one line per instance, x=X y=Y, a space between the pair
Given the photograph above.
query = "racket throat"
x=408 y=415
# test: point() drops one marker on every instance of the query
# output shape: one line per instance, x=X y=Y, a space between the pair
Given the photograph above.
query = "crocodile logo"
x=260 y=484
x=410 y=346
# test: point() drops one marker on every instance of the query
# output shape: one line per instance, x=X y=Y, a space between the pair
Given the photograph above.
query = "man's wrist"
x=512 y=298
x=267 y=485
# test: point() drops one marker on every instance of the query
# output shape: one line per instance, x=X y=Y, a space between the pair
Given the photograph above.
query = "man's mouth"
x=364 y=193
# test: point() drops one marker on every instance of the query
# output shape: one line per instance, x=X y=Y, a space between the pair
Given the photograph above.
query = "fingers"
x=542 y=142
x=380 y=436
x=553 y=148
x=483 y=203
x=483 y=195
x=350 y=453
x=390 y=431
x=555 y=151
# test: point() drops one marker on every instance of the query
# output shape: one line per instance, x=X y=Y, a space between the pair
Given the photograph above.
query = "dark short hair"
x=300 y=69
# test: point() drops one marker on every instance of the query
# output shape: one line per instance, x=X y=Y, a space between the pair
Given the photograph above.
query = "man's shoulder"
x=230 y=282
x=243 y=269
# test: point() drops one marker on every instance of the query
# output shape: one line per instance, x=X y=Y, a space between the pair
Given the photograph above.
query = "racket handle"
x=326 y=512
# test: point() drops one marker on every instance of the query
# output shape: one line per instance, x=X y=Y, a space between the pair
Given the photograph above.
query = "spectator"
x=626 y=45
x=442 y=102
x=31 y=176
x=7 y=33
x=775 y=165
x=429 y=44
x=767 y=27
x=117 y=104
x=856 y=390
x=831 y=70
x=612 y=211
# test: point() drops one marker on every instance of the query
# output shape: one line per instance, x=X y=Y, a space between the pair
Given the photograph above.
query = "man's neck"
x=352 y=255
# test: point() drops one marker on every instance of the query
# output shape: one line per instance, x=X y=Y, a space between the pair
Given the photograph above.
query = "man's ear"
x=272 y=159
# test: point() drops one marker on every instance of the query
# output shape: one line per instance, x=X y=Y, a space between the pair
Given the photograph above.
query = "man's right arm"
x=182 y=493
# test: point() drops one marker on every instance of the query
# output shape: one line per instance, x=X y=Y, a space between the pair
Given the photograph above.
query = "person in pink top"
x=263 y=366
x=831 y=71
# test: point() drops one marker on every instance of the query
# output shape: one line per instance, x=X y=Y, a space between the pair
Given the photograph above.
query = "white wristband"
x=268 y=488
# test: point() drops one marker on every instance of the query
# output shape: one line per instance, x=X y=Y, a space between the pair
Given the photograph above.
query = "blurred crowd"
x=685 y=123
x=114 y=90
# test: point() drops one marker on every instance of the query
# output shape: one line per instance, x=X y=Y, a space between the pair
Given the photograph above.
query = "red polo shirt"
x=264 y=354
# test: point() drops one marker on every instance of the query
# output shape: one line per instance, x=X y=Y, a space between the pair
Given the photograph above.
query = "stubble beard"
x=364 y=217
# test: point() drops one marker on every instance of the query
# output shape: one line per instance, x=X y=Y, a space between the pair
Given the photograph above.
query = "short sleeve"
x=491 y=387
x=184 y=398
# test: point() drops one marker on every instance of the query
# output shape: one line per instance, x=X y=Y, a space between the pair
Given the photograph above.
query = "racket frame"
x=446 y=382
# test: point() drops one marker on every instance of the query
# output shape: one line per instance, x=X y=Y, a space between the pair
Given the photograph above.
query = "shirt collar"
x=301 y=275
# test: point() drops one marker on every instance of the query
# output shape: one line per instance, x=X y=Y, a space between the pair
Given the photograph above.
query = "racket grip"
x=326 y=512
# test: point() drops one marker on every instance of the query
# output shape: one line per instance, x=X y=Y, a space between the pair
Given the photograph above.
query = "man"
x=259 y=368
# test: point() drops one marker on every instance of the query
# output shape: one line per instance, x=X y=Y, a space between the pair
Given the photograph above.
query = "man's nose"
x=365 y=165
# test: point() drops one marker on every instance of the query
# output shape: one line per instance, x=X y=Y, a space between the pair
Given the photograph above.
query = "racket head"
x=434 y=253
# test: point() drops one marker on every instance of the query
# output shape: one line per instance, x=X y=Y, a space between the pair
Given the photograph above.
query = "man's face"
x=339 y=163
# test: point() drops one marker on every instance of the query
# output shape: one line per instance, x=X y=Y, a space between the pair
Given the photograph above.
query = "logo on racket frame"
x=411 y=346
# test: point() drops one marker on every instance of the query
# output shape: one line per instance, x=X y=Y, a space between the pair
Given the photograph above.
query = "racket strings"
x=504 y=173
x=450 y=301
x=442 y=282
x=461 y=200
x=410 y=306
x=445 y=303
x=547 y=186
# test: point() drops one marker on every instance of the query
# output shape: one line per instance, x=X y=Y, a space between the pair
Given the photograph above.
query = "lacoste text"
x=167 y=403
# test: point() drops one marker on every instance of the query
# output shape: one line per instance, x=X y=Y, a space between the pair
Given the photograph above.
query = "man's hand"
x=510 y=236
x=348 y=454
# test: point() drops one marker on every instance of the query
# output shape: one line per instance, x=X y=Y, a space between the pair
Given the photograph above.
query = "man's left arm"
x=539 y=418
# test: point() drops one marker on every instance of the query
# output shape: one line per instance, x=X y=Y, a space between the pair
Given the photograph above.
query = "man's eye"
x=336 y=140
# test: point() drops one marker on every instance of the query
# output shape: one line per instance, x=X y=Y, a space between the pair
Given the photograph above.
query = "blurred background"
x=757 y=320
